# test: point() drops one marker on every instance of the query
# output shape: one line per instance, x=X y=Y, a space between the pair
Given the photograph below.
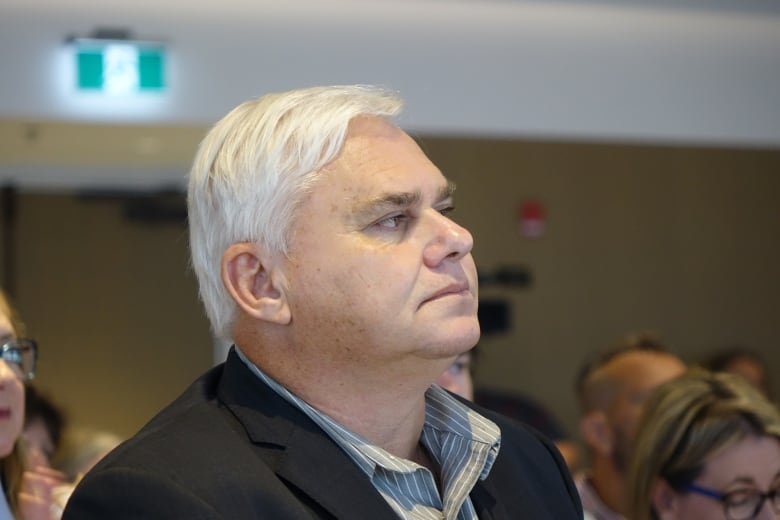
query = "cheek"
x=628 y=416
x=14 y=396
x=374 y=279
x=695 y=506
x=334 y=297
x=17 y=402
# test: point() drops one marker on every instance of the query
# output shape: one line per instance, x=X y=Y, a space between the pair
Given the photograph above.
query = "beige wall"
x=685 y=242
x=113 y=306
x=678 y=240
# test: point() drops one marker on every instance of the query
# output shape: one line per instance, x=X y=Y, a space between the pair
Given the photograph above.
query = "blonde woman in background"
x=708 y=448
x=27 y=493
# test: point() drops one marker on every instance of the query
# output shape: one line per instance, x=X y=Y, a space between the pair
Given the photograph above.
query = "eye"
x=446 y=211
x=392 y=222
x=741 y=497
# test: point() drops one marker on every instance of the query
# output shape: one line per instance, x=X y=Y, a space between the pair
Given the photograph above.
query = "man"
x=612 y=389
x=322 y=244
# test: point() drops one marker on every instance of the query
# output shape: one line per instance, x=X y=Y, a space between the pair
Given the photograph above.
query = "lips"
x=452 y=289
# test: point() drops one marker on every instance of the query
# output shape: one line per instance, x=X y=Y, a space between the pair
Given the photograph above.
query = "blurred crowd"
x=662 y=439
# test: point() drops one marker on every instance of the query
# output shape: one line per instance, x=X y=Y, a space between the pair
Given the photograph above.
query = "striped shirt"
x=462 y=443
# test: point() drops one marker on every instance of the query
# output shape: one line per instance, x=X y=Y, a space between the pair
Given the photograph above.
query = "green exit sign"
x=120 y=67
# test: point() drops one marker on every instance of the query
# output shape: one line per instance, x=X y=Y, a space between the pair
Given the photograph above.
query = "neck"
x=391 y=420
x=385 y=404
x=609 y=484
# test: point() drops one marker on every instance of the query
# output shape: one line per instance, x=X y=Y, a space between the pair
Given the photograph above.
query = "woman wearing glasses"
x=708 y=447
x=27 y=494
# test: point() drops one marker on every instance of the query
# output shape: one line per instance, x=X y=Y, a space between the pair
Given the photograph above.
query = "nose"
x=447 y=241
x=6 y=373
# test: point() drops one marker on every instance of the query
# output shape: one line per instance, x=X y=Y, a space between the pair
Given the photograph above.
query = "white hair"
x=256 y=166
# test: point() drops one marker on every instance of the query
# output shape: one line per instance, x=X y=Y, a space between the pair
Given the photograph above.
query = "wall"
x=669 y=70
x=681 y=241
x=684 y=241
x=113 y=305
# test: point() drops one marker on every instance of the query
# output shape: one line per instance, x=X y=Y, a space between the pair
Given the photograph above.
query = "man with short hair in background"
x=612 y=389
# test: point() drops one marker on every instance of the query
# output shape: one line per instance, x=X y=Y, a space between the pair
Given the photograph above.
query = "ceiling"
x=692 y=72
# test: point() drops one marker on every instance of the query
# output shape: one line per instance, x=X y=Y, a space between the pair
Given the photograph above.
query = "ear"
x=255 y=284
x=596 y=432
x=664 y=499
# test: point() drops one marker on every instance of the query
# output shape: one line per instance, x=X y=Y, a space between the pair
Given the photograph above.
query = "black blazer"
x=231 y=448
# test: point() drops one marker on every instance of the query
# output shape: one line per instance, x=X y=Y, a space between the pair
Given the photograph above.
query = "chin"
x=6 y=448
x=459 y=339
x=471 y=339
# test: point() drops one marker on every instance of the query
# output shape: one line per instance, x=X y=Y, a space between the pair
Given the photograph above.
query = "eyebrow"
x=399 y=200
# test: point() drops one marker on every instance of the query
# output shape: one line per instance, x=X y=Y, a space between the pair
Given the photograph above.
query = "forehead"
x=377 y=157
x=753 y=458
x=643 y=370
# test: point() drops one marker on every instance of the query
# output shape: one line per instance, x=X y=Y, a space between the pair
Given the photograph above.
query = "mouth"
x=454 y=289
x=5 y=413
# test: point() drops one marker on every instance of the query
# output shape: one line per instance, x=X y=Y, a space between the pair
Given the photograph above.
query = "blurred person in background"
x=44 y=423
x=28 y=493
x=612 y=388
x=708 y=447
x=459 y=376
x=744 y=362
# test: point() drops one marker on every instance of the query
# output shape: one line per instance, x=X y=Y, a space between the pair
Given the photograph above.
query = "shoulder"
x=192 y=460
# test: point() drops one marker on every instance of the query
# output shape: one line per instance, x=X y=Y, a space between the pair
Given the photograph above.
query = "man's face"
x=637 y=374
x=377 y=271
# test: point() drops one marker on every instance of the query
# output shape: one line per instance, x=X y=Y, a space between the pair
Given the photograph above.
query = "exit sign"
x=120 y=67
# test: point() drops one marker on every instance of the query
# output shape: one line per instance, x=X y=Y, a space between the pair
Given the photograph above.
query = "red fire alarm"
x=531 y=219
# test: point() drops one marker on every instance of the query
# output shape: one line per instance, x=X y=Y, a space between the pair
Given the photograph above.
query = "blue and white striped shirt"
x=463 y=444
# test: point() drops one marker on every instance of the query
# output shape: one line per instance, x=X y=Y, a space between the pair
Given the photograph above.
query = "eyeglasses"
x=740 y=504
x=22 y=356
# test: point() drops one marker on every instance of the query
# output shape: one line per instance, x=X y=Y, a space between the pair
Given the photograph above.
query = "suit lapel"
x=483 y=498
x=309 y=460
x=315 y=464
